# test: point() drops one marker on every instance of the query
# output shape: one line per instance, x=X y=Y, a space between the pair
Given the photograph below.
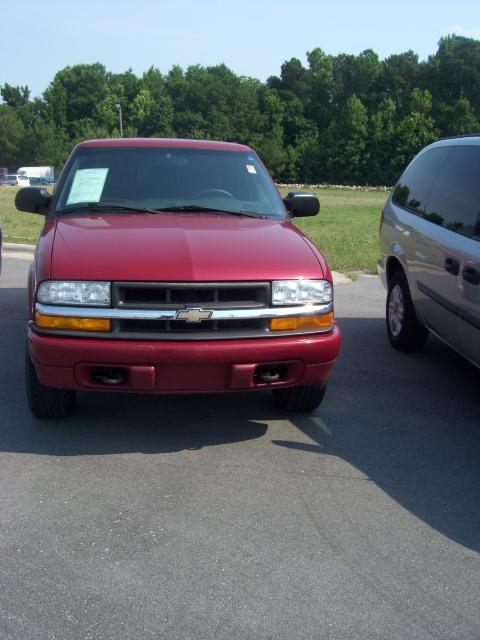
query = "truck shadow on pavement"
x=409 y=423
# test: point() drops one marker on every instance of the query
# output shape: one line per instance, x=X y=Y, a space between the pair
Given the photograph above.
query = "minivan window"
x=454 y=202
x=414 y=186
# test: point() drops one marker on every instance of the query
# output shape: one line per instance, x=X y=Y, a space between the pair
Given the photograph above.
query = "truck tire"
x=46 y=402
x=403 y=329
x=305 y=398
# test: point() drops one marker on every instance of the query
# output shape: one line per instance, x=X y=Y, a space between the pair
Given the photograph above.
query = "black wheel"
x=305 y=398
x=46 y=402
x=403 y=329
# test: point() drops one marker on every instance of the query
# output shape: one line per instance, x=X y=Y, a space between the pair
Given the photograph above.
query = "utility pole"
x=119 y=108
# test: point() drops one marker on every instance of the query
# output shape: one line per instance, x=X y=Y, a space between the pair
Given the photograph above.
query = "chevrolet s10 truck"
x=172 y=266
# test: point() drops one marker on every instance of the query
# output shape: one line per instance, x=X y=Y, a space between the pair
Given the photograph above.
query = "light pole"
x=119 y=108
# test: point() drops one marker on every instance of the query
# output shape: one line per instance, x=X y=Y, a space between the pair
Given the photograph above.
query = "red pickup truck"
x=172 y=266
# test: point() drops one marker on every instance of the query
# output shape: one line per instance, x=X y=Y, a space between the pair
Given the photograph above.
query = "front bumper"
x=183 y=367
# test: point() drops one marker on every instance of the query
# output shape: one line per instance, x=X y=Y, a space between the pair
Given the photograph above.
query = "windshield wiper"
x=194 y=208
x=103 y=207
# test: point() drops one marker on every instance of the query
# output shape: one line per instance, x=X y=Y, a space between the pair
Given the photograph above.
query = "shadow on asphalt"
x=410 y=423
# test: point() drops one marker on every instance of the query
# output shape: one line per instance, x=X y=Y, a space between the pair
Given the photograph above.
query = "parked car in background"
x=173 y=266
x=41 y=182
x=14 y=180
x=37 y=172
x=430 y=241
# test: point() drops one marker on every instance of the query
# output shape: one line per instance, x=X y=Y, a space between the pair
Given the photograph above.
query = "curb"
x=10 y=247
x=18 y=251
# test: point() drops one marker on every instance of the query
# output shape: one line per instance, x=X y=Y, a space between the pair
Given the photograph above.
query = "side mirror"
x=32 y=200
x=301 y=204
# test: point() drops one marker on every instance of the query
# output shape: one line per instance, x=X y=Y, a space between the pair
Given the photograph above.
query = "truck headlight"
x=301 y=292
x=89 y=293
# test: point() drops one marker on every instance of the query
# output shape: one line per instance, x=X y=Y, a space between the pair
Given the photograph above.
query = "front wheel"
x=46 y=402
x=305 y=398
x=404 y=330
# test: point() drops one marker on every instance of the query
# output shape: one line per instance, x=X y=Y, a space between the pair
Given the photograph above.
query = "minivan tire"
x=46 y=402
x=404 y=330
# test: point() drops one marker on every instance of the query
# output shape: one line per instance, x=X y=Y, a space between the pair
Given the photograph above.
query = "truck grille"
x=209 y=296
x=146 y=295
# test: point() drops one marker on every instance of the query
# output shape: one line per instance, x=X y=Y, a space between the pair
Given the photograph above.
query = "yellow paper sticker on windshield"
x=87 y=185
x=251 y=168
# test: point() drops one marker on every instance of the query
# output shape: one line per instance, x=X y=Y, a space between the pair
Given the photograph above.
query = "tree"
x=12 y=137
x=401 y=74
x=346 y=143
x=454 y=71
x=319 y=107
x=415 y=130
x=74 y=94
x=457 y=118
x=15 y=97
x=381 y=144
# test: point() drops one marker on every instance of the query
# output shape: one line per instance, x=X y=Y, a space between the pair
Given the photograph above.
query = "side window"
x=455 y=199
x=414 y=186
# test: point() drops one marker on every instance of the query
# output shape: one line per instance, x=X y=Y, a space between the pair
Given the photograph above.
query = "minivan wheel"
x=305 y=398
x=404 y=330
x=46 y=402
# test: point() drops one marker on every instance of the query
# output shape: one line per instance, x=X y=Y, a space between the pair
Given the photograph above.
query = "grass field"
x=16 y=225
x=346 y=229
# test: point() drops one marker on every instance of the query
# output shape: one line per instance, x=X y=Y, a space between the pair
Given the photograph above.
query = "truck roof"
x=165 y=142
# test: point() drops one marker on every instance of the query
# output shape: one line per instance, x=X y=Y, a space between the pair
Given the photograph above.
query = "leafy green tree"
x=319 y=108
x=457 y=118
x=74 y=94
x=415 y=130
x=269 y=141
x=454 y=71
x=12 y=138
x=346 y=144
x=381 y=144
x=15 y=97
x=355 y=75
x=401 y=74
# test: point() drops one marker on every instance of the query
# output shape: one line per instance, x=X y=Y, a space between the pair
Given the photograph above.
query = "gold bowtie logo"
x=194 y=315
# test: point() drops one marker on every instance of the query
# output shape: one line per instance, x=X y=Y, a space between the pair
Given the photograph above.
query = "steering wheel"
x=214 y=191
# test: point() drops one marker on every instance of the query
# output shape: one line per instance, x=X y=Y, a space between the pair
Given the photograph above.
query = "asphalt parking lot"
x=221 y=517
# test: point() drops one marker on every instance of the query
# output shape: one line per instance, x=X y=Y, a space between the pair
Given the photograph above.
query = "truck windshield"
x=169 y=177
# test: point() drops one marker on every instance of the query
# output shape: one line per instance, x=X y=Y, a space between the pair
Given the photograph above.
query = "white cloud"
x=461 y=31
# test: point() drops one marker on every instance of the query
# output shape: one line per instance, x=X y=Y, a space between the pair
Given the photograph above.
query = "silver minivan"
x=430 y=242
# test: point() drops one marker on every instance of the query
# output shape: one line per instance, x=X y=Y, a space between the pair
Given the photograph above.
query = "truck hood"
x=182 y=248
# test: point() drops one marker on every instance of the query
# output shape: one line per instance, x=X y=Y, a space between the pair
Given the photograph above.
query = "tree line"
x=344 y=119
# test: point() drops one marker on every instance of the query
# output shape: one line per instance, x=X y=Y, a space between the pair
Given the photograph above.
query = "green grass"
x=17 y=226
x=346 y=229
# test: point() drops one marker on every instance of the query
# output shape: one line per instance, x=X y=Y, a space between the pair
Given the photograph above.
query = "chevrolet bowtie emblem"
x=194 y=315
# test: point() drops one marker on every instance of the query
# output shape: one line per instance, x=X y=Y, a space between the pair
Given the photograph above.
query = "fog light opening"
x=270 y=373
x=110 y=376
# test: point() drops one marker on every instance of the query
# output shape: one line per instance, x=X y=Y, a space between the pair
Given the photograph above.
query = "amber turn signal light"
x=72 y=324
x=322 y=321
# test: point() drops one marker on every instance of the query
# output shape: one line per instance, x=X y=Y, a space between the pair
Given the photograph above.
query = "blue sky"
x=40 y=37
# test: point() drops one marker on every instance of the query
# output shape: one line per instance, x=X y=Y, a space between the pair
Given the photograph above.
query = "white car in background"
x=14 y=180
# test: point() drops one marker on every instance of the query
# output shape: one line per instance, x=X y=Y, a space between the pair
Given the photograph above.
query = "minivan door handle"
x=452 y=266
x=471 y=275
